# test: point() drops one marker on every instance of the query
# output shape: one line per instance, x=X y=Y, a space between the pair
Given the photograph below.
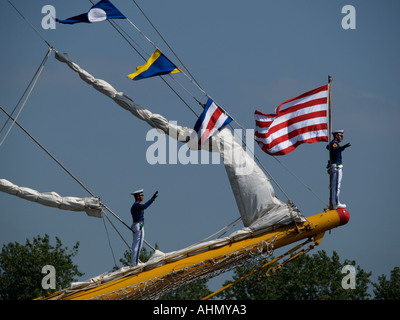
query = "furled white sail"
x=254 y=194
x=51 y=199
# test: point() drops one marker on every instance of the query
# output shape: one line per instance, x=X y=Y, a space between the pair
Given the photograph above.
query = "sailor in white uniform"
x=137 y=212
x=335 y=167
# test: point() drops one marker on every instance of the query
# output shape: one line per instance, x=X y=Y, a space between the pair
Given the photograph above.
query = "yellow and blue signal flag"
x=157 y=65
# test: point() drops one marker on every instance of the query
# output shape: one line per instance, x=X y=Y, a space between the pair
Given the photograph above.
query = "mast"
x=330 y=135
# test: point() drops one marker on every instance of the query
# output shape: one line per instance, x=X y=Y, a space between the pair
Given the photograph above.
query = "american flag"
x=213 y=119
x=302 y=119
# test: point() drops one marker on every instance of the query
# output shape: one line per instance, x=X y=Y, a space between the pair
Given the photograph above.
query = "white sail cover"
x=254 y=194
x=51 y=199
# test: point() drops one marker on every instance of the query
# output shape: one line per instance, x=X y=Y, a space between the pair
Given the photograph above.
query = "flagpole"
x=330 y=135
x=330 y=107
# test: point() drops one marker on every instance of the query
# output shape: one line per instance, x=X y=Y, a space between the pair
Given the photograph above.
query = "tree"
x=195 y=290
x=21 y=267
x=309 y=277
x=143 y=257
x=388 y=289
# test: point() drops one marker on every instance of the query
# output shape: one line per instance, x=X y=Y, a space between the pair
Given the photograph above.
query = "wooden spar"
x=130 y=286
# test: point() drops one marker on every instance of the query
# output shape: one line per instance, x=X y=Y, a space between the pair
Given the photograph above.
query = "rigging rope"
x=191 y=79
x=31 y=85
x=129 y=248
x=30 y=24
x=301 y=181
x=41 y=146
x=199 y=86
x=228 y=227
x=121 y=31
x=71 y=175
x=109 y=241
x=272 y=269
x=158 y=32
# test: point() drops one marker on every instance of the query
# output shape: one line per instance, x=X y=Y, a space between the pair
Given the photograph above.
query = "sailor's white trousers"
x=336 y=181
x=138 y=236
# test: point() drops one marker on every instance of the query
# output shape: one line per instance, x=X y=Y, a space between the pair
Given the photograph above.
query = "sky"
x=248 y=56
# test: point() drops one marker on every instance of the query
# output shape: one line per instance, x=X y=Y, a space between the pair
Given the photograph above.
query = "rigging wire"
x=109 y=241
x=30 y=24
x=37 y=142
x=31 y=85
x=300 y=180
x=48 y=153
x=227 y=227
x=76 y=179
x=165 y=41
x=193 y=78
x=292 y=252
x=201 y=89
x=121 y=31
x=155 y=47
x=109 y=220
x=69 y=172
x=41 y=146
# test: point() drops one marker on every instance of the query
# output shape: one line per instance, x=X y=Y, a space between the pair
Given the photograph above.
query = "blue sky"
x=247 y=55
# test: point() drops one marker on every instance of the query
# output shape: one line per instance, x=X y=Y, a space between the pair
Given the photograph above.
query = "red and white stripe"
x=302 y=119
x=211 y=121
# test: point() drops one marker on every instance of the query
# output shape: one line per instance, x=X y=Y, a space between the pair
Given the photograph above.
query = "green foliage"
x=143 y=257
x=309 y=277
x=388 y=289
x=193 y=291
x=21 y=267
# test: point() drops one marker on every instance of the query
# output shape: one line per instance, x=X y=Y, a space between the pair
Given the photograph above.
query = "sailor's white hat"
x=338 y=131
x=137 y=192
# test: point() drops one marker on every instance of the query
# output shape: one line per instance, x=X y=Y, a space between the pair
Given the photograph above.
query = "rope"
x=158 y=32
x=129 y=248
x=124 y=223
x=31 y=85
x=301 y=181
x=121 y=31
x=30 y=24
x=263 y=267
x=196 y=83
x=117 y=27
x=36 y=141
x=70 y=174
x=48 y=153
x=193 y=80
x=229 y=226
x=155 y=47
x=109 y=242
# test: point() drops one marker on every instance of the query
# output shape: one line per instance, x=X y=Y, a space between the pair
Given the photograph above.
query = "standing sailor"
x=137 y=212
x=335 y=167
